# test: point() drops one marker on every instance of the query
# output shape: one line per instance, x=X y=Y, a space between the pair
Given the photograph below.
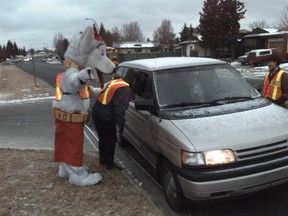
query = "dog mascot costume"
x=85 y=60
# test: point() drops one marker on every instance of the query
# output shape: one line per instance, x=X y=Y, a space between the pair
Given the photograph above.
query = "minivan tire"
x=171 y=186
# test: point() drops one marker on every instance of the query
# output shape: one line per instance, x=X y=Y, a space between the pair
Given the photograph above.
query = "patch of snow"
x=26 y=90
x=5 y=95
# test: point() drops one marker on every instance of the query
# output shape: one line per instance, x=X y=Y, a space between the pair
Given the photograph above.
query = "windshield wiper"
x=216 y=102
x=230 y=99
x=201 y=104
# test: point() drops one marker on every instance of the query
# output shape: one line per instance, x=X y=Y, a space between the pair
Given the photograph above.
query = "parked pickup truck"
x=259 y=56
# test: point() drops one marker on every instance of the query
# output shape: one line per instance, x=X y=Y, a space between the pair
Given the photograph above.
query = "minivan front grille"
x=268 y=150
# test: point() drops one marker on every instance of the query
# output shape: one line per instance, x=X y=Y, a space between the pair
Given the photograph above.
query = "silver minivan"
x=204 y=129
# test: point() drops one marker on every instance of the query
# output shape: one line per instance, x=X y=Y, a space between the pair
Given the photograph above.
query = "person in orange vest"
x=109 y=112
x=275 y=87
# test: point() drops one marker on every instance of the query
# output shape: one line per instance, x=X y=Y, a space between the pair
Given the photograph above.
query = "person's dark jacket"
x=115 y=110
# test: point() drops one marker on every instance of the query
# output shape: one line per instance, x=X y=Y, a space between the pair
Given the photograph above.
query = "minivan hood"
x=238 y=130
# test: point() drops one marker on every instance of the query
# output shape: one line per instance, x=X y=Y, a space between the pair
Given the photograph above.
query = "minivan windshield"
x=206 y=85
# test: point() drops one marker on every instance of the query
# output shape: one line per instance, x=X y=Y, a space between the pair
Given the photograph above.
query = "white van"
x=207 y=133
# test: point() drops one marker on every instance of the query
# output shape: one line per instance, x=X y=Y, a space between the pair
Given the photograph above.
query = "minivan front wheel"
x=171 y=186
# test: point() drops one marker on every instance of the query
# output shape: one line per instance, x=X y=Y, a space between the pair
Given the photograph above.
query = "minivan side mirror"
x=144 y=105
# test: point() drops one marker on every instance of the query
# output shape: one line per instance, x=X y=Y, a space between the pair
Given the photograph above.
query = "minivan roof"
x=169 y=62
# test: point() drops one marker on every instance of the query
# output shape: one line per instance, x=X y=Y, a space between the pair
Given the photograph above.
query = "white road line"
x=88 y=138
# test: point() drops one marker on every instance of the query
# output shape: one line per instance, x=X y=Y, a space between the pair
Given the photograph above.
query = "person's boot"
x=113 y=166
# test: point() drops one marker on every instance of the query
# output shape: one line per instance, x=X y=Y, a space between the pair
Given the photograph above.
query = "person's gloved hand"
x=120 y=129
x=95 y=91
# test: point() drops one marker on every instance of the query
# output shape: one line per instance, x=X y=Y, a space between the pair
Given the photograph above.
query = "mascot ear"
x=86 y=39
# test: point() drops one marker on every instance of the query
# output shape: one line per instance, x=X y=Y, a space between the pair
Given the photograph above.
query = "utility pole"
x=34 y=72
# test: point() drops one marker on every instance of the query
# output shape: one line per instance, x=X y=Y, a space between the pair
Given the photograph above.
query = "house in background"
x=136 y=47
x=193 y=48
x=265 y=39
x=128 y=51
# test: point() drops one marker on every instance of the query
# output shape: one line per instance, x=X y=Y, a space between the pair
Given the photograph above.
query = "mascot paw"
x=79 y=176
x=66 y=170
x=85 y=75
x=62 y=171
x=85 y=179
x=95 y=91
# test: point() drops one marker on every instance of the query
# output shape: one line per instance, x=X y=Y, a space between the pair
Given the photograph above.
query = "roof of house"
x=134 y=44
x=266 y=34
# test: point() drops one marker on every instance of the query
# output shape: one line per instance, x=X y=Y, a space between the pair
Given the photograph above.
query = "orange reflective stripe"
x=107 y=95
x=58 y=93
x=277 y=84
x=85 y=92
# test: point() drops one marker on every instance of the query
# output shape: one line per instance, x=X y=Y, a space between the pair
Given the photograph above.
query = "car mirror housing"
x=144 y=105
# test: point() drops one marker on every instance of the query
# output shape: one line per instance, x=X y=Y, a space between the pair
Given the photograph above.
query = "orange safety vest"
x=106 y=96
x=273 y=89
x=84 y=92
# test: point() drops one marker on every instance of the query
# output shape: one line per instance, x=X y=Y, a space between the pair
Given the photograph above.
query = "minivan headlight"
x=208 y=158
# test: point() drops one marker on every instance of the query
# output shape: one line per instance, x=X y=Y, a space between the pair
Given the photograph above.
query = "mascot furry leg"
x=85 y=59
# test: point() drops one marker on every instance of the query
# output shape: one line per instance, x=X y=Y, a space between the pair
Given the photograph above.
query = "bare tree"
x=164 y=35
x=282 y=23
x=258 y=24
x=60 y=44
x=132 y=32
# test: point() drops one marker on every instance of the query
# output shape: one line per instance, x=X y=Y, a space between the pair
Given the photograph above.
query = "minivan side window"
x=139 y=82
x=143 y=87
x=130 y=76
x=119 y=72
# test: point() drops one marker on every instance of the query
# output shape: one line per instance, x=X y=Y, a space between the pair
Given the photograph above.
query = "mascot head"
x=87 y=49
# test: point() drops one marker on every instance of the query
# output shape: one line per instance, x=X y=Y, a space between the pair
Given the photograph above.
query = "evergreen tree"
x=5 y=52
x=109 y=39
x=106 y=35
x=184 y=33
x=116 y=35
x=102 y=32
x=187 y=33
x=15 y=49
x=219 y=24
x=2 y=54
x=10 y=50
x=231 y=13
x=209 y=24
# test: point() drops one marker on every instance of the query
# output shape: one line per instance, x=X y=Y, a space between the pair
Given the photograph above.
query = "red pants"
x=69 y=139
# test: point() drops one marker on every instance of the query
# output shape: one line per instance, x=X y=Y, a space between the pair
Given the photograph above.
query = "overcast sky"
x=34 y=23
